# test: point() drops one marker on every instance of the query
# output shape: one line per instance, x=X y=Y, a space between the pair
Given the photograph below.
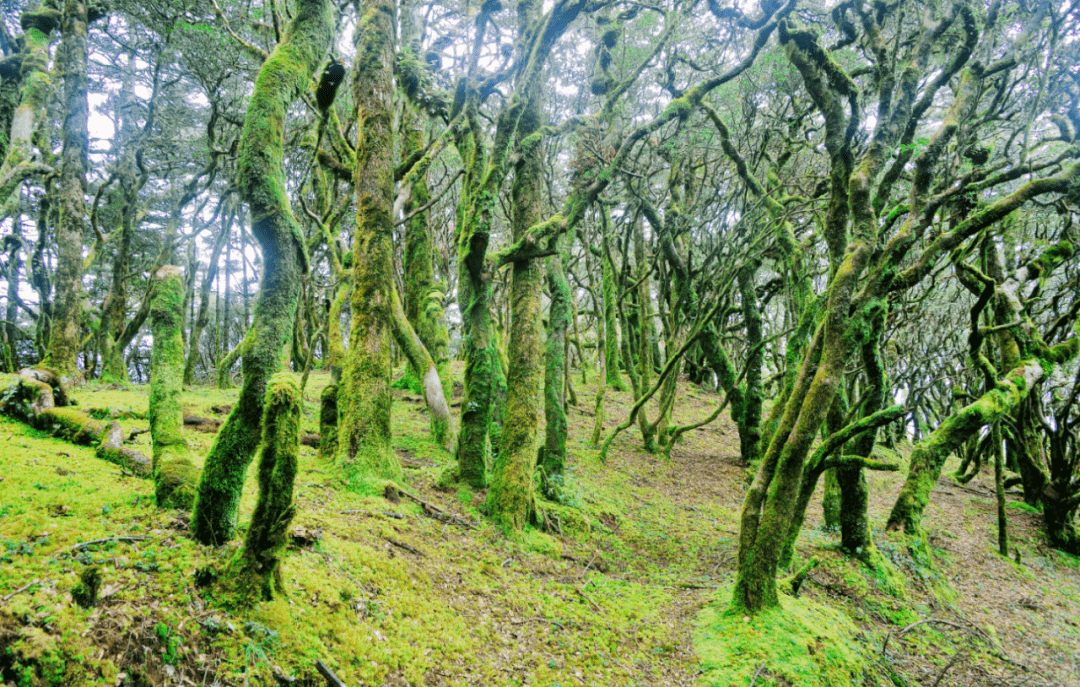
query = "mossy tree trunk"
x=175 y=476
x=259 y=561
x=749 y=420
x=510 y=499
x=770 y=507
x=1035 y=362
x=485 y=171
x=431 y=382
x=282 y=78
x=855 y=535
x=553 y=453
x=364 y=395
x=609 y=288
x=33 y=95
x=929 y=455
x=65 y=331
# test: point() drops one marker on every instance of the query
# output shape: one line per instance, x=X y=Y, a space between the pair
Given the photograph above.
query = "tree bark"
x=259 y=564
x=510 y=499
x=553 y=454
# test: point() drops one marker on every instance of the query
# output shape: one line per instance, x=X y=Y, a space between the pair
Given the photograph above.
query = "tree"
x=282 y=77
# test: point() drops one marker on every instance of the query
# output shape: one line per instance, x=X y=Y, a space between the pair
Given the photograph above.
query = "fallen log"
x=203 y=424
x=41 y=401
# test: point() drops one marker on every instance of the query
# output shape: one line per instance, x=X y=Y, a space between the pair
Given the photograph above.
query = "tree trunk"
x=35 y=90
x=65 y=339
x=929 y=455
x=431 y=384
x=553 y=454
x=364 y=395
x=260 y=560
x=203 y=316
x=611 y=310
x=750 y=415
x=281 y=79
x=510 y=499
x=175 y=476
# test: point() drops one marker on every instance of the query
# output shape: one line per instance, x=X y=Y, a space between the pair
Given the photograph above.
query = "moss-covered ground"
x=628 y=585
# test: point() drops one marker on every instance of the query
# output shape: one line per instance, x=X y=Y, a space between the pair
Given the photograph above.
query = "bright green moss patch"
x=802 y=644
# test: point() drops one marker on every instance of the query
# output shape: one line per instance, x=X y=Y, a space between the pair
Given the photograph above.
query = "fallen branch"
x=106 y=540
x=583 y=595
x=538 y=620
x=403 y=545
x=756 y=673
x=331 y=679
x=436 y=512
x=21 y=589
x=361 y=511
x=203 y=424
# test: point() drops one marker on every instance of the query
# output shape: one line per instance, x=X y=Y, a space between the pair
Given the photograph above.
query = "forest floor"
x=630 y=592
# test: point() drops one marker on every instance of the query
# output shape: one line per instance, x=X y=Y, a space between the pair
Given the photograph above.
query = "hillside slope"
x=620 y=590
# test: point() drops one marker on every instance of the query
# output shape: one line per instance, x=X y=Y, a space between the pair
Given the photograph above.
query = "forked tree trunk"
x=511 y=499
x=283 y=76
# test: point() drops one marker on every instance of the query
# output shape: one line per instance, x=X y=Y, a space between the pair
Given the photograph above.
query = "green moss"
x=541 y=543
x=801 y=643
x=680 y=108
x=328 y=422
x=364 y=395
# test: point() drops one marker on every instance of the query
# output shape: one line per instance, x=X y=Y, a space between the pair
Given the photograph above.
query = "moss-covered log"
x=284 y=75
x=364 y=395
x=175 y=476
x=259 y=562
x=39 y=399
